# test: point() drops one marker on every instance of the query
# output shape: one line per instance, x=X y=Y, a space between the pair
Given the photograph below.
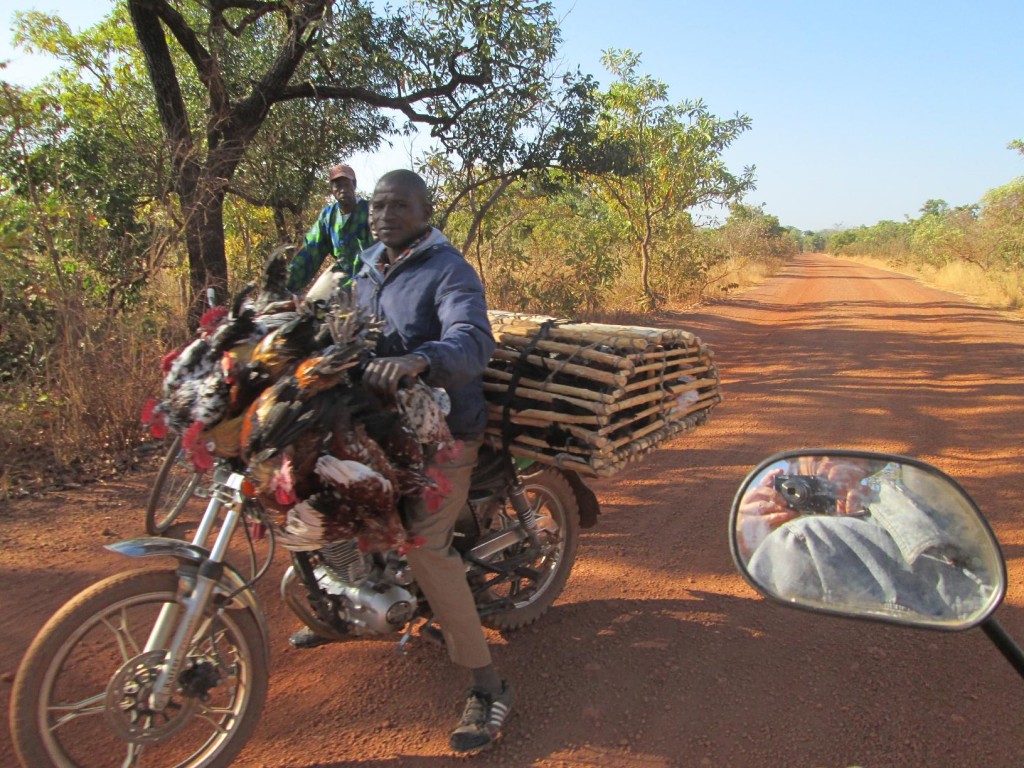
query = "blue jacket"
x=432 y=303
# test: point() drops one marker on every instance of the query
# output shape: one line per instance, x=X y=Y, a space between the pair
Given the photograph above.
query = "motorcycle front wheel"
x=175 y=484
x=528 y=597
x=81 y=696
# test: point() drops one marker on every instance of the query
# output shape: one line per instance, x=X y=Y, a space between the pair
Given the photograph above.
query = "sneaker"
x=482 y=719
x=307 y=638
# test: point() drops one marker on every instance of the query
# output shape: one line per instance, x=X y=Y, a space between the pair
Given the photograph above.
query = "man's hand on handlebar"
x=384 y=375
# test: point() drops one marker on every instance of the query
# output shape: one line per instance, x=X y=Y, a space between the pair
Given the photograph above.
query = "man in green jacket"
x=342 y=230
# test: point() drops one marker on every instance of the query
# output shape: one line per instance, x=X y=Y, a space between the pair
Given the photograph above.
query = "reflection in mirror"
x=867 y=535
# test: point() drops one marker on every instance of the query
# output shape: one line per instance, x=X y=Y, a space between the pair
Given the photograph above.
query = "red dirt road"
x=658 y=654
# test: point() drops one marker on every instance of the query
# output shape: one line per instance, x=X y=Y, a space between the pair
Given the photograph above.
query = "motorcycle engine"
x=373 y=592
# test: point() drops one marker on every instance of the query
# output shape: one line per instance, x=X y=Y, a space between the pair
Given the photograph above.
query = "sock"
x=488 y=679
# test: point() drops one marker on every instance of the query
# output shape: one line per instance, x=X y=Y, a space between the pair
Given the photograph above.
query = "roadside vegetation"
x=180 y=143
x=975 y=250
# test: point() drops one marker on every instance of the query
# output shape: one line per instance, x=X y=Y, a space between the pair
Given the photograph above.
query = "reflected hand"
x=846 y=476
x=761 y=510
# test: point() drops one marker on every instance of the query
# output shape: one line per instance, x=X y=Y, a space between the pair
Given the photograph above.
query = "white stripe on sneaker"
x=496 y=717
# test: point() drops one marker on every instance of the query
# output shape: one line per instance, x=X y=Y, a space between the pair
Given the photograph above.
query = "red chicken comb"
x=195 y=448
x=439 y=488
x=154 y=419
x=168 y=359
x=284 y=484
x=211 y=318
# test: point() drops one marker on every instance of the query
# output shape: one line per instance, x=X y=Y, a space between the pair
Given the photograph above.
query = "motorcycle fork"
x=196 y=600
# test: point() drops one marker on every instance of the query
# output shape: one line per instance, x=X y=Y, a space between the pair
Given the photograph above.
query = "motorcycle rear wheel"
x=554 y=503
x=175 y=484
x=80 y=696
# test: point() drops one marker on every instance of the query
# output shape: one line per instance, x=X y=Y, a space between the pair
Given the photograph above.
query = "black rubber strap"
x=517 y=372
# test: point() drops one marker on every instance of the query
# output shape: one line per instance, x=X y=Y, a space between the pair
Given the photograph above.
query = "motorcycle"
x=170 y=667
x=870 y=536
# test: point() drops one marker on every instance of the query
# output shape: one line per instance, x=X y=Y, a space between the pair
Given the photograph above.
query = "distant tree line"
x=988 y=234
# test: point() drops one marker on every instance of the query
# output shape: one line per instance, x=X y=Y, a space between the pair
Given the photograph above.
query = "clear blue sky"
x=861 y=111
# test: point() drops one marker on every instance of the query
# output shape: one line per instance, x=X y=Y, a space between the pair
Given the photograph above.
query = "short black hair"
x=410 y=180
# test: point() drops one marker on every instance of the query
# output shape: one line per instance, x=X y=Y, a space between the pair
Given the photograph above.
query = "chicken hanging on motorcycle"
x=275 y=383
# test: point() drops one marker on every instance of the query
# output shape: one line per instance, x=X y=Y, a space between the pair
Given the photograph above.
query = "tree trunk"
x=482 y=211
x=204 y=237
x=650 y=297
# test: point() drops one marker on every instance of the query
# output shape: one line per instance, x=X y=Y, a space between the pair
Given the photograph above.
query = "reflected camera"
x=807 y=493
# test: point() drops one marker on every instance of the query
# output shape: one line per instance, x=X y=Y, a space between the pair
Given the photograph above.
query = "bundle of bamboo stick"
x=592 y=397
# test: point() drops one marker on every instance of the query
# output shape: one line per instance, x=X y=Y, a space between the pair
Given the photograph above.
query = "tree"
x=105 y=157
x=444 y=64
x=1002 y=220
x=111 y=153
x=751 y=233
x=676 y=156
x=942 y=233
x=557 y=131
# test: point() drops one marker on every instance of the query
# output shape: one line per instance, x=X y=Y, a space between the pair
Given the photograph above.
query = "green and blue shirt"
x=333 y=234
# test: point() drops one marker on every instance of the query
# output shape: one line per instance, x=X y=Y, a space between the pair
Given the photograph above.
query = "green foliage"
x=222 y=73
x=1002 y=224
x=749 y=233
x=95 y=168
x=26 y=325
x=943 y=234
x=891 y=239
x=675 y=159
x=558 y=131
x=543 y=251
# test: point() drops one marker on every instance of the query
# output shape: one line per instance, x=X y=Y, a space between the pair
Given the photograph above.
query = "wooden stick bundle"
x=591 y=397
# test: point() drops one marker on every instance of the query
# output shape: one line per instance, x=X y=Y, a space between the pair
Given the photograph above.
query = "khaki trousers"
x=439 y=568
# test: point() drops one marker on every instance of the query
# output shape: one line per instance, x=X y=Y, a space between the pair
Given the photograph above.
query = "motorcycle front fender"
x=183 y=551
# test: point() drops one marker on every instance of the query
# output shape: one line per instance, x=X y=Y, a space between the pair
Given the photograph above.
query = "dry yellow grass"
x=1000 y=290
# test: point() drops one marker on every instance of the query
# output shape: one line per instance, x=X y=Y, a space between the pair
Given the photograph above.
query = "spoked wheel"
x=175 y=484
x=81 y=697
x=554 y=503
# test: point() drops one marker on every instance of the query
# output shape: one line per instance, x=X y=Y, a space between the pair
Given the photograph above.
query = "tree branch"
x=402 y=104
x=205 y=64
x=258 y=11
x=269 y=89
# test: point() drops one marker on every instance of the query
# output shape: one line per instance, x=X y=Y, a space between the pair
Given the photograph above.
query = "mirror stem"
x=1004 y=643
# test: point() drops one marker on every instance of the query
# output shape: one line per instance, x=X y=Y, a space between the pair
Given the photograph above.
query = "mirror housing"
x=866 y=535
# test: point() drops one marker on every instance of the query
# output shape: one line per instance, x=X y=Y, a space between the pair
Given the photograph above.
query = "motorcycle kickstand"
x=403 y=642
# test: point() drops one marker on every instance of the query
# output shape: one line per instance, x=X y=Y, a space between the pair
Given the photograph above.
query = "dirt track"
x=658 y=654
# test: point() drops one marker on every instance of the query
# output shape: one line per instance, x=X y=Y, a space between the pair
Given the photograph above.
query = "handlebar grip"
x=407 y=382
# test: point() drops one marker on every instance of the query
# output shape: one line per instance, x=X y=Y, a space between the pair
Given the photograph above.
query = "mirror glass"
x=869 y=535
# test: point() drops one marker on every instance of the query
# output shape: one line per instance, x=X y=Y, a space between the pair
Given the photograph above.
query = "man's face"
x=398 y=215
x=344 y=191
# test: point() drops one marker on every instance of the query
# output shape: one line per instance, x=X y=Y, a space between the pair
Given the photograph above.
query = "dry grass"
x=79 y=417
x=1000 y=290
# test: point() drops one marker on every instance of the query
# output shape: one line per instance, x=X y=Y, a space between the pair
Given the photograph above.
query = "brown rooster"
x=285 y=347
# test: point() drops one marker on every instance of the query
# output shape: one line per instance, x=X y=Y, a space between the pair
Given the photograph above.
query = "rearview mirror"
x=868 y=535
